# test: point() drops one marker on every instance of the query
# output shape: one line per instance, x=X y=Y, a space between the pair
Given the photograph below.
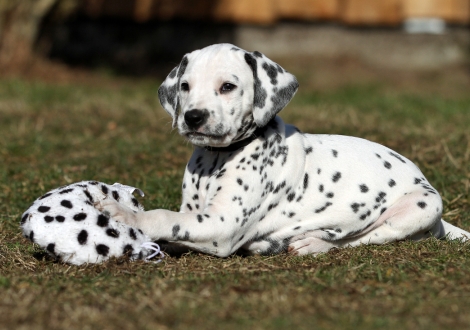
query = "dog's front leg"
x=201 y=232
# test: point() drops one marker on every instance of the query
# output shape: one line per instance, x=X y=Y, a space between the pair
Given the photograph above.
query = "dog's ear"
x=274 y=87
x=168 y=91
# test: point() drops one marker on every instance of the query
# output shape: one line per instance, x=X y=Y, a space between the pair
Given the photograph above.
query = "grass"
x=51 y=135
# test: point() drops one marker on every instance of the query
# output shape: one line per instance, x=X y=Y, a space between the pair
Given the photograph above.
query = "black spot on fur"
x=79 y=216
x=330 y=195
x=271 y=71
x=104 y=189
x=291 y=197
x=323 y=208
x=182 y=66
x=335 y=153
x=355 y=207
x=363 y=188
x=66 y=203
x=82 y=237
x=135 y=202
x=260 y=95
x=24 y=218
x=65 y=191
x=132 y=234
x=308 y=150
x=397 y=156
x=31 y=236
x=305 y=181
x=60 y=218
x=175 y=230
x=283 y=96
x=128 y=249
x=88 y=195
x=112 y=233
x=336 y=177
x=103 y=220
x=102 y=249
x=422 y=204
x=387 y=165
x=215 y=244
x=43 y=209
x=50 y=248
x=391 y=183
x=199 y=218
x=116 y=195
x=44 y=196
x=365 y=215
x=380 y=196
x=272 y=206
x=48 y=218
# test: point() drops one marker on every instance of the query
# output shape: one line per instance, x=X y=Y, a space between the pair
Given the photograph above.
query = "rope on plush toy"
x=156 y=251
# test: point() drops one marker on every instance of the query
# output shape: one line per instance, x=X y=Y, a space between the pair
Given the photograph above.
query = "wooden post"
x=455 y=11
x=245 y=11
x=308 y=9
x=371 y=12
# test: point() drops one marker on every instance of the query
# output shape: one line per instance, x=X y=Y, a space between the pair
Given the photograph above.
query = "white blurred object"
x=425 y=25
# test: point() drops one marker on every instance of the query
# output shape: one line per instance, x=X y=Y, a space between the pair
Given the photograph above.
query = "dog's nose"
x=195 y=118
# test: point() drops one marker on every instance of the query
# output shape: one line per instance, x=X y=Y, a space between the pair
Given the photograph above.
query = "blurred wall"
x=354 y=12
x=143 y=36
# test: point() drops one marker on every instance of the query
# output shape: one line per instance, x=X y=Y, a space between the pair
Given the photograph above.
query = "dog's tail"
x=452 y=232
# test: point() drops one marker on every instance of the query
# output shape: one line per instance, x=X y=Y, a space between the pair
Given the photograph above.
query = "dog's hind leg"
x=414 y=216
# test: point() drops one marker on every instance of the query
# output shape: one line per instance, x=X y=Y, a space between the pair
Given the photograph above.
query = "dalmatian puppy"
x=257 y=185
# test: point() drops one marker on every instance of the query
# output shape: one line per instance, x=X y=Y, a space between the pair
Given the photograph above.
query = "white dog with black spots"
x=257 y=185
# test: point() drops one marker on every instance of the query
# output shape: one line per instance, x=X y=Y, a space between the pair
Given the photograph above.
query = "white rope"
x=156 y=251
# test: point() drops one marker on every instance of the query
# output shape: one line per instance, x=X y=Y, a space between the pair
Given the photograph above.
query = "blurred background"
x=326 y=42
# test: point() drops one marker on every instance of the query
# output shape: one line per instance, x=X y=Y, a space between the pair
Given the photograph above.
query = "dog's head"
x=221 y=94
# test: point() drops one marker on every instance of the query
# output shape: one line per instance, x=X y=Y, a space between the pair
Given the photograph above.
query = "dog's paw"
x=117 y=211
x=309 y=245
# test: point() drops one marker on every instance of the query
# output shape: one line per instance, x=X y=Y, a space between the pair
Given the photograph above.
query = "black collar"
x=234 y=146
x=239 y=144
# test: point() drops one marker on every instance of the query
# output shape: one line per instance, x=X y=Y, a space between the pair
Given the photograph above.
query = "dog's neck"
x=241 y=143
x=234 y=146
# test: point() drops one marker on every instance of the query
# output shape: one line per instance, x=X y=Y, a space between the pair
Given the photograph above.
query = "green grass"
x=54 y=135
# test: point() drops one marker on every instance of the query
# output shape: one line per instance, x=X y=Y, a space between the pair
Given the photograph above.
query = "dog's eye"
x=227 y=87
x=185 y=86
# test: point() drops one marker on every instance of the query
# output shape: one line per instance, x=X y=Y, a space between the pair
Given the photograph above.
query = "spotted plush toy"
x=67 y=225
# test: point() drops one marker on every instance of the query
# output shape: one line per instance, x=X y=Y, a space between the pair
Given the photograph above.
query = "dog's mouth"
x=203 y=139
x=198 y=135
